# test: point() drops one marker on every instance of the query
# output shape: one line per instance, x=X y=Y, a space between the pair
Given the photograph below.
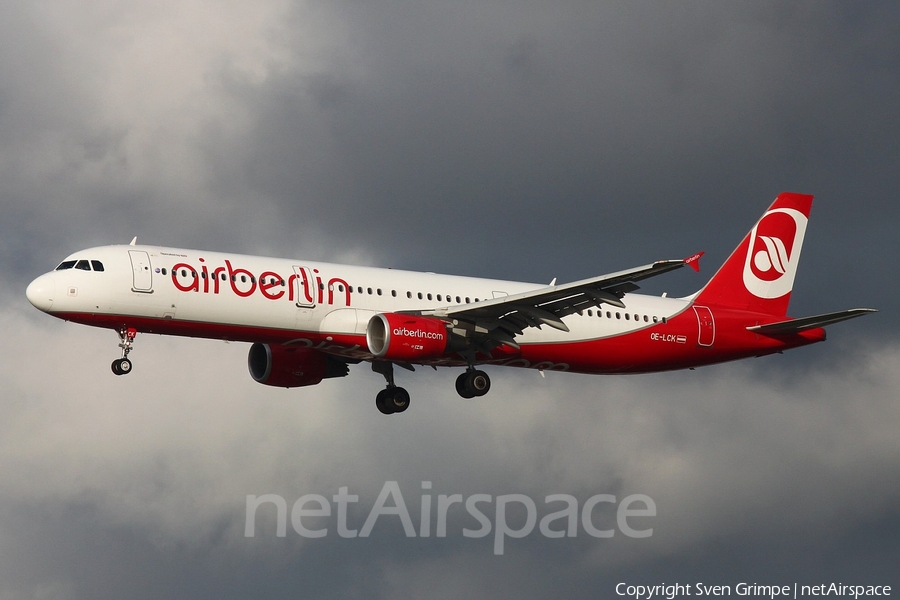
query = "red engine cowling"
x=291 y=366
x=407 y=338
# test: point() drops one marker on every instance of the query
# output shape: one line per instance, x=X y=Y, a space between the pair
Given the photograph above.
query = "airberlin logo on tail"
x=774 y=252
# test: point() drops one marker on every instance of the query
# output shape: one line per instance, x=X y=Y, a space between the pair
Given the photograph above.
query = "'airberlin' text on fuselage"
x=297 y=287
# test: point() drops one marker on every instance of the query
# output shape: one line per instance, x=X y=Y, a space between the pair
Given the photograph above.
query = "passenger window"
x=83 y=265
x=394 y=293
x=420 y=295
x=163 y=270
x=66 y=265
x=378 y=291
x=438 y=297
x=409 y=294
x=627 y=317
x=429 y=295
x=646 y=319
x=656 y=319
x=458 y=301
x=98 y=266
x=369 y=290
x=618 y=315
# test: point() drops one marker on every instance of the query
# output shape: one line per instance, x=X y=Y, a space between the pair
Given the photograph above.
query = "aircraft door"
x=304 y=287
x=143 y=275
x=707 y=325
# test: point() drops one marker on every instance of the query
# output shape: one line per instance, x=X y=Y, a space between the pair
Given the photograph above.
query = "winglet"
x=133 y=242
x=693 y=261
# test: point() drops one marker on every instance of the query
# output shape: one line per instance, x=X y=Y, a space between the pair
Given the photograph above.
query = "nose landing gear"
x=123 y=366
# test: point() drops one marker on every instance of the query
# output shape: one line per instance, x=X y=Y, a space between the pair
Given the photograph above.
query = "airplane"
x=308 y=321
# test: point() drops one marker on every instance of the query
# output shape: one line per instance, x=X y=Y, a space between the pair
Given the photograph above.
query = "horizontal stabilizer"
x=802 y=324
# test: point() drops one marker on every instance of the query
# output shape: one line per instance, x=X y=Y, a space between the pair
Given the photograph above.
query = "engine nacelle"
x=406 y=338
x=291 y=366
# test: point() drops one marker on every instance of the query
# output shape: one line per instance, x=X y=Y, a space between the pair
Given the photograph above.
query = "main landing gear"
x=473 y=383
x=122 y=366
x=391 y=399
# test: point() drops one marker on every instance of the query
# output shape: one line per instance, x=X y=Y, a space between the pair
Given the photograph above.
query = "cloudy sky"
x=522 y=140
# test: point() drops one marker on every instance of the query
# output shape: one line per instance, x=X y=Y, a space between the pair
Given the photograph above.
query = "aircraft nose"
x=40 y=292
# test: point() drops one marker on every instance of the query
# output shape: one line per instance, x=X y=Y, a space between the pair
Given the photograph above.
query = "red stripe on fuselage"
x=659 y=347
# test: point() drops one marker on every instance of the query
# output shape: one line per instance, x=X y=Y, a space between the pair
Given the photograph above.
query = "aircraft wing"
x=497 y=321
x=797 y=325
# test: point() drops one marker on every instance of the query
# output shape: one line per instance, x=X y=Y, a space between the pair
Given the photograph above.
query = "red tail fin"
x=759 y=274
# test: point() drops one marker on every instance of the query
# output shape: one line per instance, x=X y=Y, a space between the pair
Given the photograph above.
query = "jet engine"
x=292 y=366
x=406 y=338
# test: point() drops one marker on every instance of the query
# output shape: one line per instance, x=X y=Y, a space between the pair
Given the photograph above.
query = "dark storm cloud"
x=516 y=140
x=506 y=127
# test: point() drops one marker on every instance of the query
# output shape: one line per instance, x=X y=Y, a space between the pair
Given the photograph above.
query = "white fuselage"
x=211 y=288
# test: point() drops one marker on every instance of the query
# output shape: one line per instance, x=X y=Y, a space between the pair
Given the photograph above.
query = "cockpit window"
x=84 y=265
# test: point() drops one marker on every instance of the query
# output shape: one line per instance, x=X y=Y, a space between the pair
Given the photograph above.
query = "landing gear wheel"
x=121 y=366
x=479 y=382
x=392 y=400
x=124 y=366
x=381 y=402
x=398 y=400
x=462 y=387
x=473 y=383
